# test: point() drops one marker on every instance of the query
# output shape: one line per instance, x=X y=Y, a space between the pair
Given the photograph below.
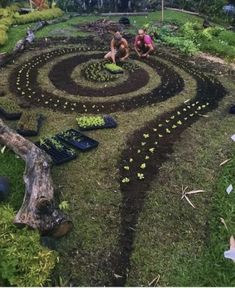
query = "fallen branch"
x=185 y=193
x=38 y=209
x=224 y=162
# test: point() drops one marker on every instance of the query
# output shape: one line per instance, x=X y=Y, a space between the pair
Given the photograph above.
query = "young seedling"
x=140 y=176
x=125 y=180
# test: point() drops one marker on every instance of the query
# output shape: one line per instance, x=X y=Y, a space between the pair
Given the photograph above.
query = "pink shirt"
x=146 y=40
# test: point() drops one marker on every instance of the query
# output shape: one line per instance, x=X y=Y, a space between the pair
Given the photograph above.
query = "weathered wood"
x=38 y=209
x=125 y=14
x=182 y=10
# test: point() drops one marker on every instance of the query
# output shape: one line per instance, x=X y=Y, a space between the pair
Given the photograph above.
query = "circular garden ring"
x=27 y=86
x=148 y=147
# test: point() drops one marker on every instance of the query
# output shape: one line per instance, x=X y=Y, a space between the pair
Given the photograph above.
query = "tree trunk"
x=38 y=210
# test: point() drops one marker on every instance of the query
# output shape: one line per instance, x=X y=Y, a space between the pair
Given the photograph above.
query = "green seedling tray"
x=113 y=68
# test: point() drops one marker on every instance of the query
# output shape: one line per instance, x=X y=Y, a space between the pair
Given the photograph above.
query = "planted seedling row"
x=28 y=87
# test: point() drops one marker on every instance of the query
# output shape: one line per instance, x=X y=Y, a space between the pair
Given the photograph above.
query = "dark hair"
x=117 y=36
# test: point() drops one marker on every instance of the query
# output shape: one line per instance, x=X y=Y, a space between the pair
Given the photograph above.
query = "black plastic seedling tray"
x=59 y=156
x=109 y=123
x=78 y=140
x=31 y=133
x=232 y=110
x=10 y=116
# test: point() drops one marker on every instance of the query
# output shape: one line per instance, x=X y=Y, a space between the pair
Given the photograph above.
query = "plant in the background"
x=64 y=205
x=24 y=262
x=184 y=45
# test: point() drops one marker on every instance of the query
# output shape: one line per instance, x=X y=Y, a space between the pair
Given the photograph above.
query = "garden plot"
x=148 y=144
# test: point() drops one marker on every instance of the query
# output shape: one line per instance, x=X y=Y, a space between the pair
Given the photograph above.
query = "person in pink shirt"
x=143 y=44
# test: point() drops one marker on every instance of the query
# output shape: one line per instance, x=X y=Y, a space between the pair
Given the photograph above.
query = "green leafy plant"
x=113 y=68
x=90 y=121
x=64 y=205
x=3 y=37
x=24 y=262
x=37 y=16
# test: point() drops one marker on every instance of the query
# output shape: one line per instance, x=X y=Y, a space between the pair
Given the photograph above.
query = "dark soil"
x=171 y=84
x=60 y=75
x=150 y=145
x=209 y=93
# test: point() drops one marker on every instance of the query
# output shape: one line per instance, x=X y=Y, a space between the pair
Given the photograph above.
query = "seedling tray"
x=109 y=123
x=30 y=133
x=10 y=116
x=78 y=140
x=232 y=110
x=59 y=156
x=114 y=69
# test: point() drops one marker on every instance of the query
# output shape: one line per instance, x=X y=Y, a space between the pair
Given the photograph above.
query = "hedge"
x=37 y=16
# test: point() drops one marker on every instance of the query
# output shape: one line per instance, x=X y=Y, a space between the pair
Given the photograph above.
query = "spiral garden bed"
x=149 y=145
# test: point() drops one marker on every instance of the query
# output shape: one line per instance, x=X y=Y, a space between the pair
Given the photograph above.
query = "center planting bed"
x=145 y=149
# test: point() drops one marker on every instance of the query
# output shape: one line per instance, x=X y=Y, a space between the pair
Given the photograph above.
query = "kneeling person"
x=143 y=44
x=119 y=48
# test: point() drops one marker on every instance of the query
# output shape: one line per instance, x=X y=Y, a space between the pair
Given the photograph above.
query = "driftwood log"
x=38 y=210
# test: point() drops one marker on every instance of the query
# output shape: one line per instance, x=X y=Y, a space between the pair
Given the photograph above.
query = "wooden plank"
x=125 y=14
x=182 y=10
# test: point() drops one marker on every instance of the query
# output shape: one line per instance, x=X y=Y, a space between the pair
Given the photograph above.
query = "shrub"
x=6 y=21
x=215 y=31
x=3 y=37
x=218 y=47
x=206 y=34
x=3 y=27
x=190 y=30
x=184 y=45
x=24 y=262
x=38 y=16
x=228 y=37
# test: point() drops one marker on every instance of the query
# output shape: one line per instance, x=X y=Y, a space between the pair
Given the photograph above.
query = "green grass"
x=14 y=35
x=223 y=271
x=66 y=26
x=185 y=246
x=18 y=32
x=13 y=168
x=181 y=244
x=169 y=16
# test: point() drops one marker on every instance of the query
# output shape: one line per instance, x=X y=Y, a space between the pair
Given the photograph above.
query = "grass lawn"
x=175 y=244
x=13 y=168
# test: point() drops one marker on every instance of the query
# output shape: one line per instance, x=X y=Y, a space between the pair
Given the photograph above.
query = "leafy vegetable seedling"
x=113 y=68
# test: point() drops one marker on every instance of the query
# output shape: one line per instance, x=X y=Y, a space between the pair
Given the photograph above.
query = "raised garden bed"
x=59 y=152
x=78 y=140
x=86 y=123
x=29 y=124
